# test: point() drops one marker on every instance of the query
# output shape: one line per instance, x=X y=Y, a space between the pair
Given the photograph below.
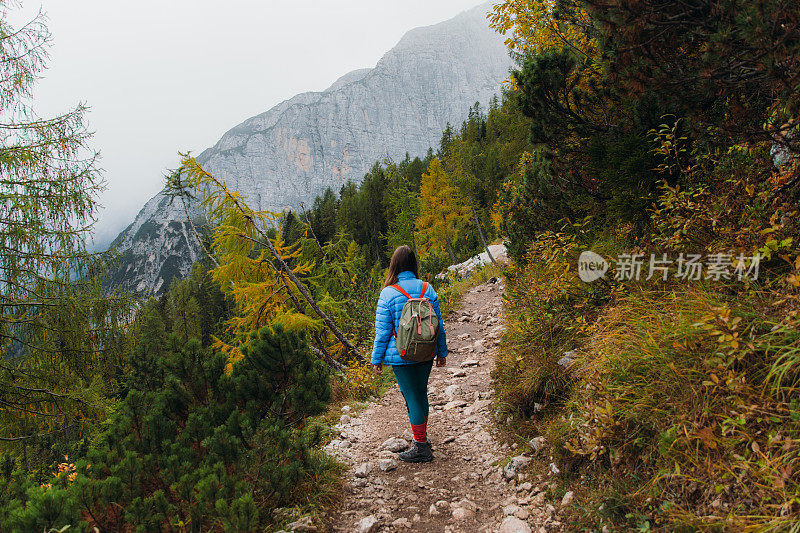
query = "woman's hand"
x=441 y=361
x=378 y=368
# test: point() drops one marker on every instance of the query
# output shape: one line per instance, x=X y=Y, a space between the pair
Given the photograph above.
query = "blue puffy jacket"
x=387 y=317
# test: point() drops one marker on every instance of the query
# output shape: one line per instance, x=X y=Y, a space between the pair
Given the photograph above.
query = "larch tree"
x=443 y=210
x=57 y=352
x=262 y=273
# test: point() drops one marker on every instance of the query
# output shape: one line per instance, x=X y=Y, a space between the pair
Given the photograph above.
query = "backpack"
x=418 y=329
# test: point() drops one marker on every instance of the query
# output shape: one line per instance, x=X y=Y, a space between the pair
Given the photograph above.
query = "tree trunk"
x=321 y=351
x=311 y=229
x=480 y=232
x=196 y=233
x=302 y=288
x=450 y=248
x=266 y=241
x=307 y=296
x=447 y=241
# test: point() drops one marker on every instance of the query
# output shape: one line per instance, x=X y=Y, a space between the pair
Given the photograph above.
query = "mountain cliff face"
x=293 y=152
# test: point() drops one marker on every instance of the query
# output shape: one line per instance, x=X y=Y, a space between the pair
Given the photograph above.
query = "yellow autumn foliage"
x=443 y=210
x=531 y=27
x=246 y=268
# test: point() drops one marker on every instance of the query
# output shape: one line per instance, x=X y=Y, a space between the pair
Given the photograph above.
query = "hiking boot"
x=420 y=452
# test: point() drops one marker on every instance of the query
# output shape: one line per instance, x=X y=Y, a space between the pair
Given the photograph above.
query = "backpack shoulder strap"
x=399 y=288
x=424 y=290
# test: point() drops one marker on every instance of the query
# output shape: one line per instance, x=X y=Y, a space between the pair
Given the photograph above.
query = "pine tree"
x=402 y=207
x=191 y=444
x=361 y=214
x=184 y=311
x=323 y=221
x=466 y=157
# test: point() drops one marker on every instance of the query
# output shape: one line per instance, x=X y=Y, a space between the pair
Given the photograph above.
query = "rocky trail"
x=464 y=488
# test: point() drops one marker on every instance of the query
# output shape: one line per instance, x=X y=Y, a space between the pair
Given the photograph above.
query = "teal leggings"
x=413 y=382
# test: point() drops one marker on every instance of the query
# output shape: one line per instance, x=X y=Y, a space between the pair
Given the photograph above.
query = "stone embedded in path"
x=510 y=510
x=363 y=470
x=346 y=409
x=513 y=466
x=479 y=405
x=513 y=524
x=344 y=420
x=302 y=525
x=463 y=509
x=460 y=373
x=368 y=524
x=395 y=444
x=483 y=436
x=387 y=464
x=454 y=404
x=442 y=505
x=402 y=523
x=525 y=487
x=462 y=513
x=470 y=362
x=452 y=391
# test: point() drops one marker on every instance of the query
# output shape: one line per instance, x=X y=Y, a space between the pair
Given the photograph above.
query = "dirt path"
x=464 y=488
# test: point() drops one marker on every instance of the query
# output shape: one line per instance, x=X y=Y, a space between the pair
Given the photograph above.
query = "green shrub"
x=193 y=445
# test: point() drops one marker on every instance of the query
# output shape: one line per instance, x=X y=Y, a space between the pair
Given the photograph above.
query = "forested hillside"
x=661 y=136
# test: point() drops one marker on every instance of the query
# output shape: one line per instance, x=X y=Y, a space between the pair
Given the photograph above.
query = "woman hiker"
x=403 y=285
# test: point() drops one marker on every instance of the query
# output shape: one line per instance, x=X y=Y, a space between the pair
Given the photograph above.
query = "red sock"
x=420 y=431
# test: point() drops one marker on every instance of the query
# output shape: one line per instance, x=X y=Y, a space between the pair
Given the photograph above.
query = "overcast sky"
x=167 y=75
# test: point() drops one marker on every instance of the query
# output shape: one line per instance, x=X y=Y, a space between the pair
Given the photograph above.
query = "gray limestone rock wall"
x=294 y=151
